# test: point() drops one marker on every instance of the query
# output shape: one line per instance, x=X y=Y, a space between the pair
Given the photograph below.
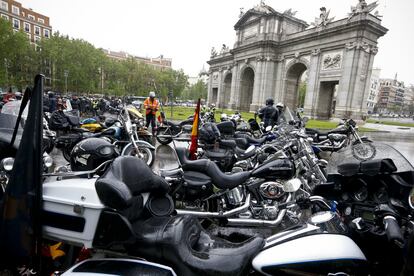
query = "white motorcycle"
x=127 y=210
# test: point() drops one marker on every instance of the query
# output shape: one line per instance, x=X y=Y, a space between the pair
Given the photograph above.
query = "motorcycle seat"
x=242 y=154
x=228 y=144
x=369 y=167
x=182 y=243
x=123 y=183
x=251 y=140
x=208 y=167
x=106 y=132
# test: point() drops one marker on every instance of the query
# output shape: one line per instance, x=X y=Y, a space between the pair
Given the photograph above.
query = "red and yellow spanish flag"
x=194 y=132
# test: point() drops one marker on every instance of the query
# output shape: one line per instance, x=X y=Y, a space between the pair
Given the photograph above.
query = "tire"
x=66 y=153
x=147 y=139
x=363 y=151
x=148 y=154
x=163 y=131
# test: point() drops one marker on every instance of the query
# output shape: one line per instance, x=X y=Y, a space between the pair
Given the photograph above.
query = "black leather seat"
x=208 y=167
x=251 y=140
x=178 y=241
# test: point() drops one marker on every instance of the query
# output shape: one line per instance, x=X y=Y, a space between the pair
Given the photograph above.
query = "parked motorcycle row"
x=259 y=201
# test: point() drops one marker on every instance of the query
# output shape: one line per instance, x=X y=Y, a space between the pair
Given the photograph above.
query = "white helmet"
x=152 y=94
x=279 y=104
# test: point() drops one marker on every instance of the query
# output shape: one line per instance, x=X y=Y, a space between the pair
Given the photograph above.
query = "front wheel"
x=363 y=151
x=146 y=154
x=163 y=131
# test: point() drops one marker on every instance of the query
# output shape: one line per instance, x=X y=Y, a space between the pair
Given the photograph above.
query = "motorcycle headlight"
x=47 y=161
x=7 y=164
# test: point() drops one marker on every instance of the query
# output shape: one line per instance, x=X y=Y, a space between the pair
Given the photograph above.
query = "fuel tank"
x=280 y=168
x=318 y=254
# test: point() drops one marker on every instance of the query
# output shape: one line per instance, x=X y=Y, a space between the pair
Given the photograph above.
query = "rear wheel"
x=66 y=153
x=164 y=131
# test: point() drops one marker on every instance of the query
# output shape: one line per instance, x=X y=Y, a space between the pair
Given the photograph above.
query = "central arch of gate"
x=277 y=55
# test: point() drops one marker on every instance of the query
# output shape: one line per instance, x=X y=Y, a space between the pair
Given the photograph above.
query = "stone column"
x=219 y=86
x=346 y=85
x=278 y=84
x=312 y=85
x=258 y=79
x=235 y=80
x=359 y=101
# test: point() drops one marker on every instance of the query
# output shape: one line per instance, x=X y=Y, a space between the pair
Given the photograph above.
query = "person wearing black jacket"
x=269 y=114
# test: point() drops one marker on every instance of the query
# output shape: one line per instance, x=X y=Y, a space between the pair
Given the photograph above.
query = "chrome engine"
x=235 y=196
x=272 y=190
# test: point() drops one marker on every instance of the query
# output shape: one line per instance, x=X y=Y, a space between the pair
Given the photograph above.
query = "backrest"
x=122 y=185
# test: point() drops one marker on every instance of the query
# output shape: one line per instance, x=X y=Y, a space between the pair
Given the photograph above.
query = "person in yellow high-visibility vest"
x=151 y=106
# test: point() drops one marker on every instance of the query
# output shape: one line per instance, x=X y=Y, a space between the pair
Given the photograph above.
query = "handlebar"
x=393 y=230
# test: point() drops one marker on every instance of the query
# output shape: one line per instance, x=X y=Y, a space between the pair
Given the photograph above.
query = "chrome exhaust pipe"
x=260 y=222
x=229 y=213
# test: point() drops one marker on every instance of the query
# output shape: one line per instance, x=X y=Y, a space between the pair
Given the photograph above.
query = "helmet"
x=88 y=154
x=279 y=104
x=270 y=101
x=152 y=94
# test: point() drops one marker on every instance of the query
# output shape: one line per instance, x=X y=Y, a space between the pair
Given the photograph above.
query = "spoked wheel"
x=164 y=131
x=363 y=151
x=146 y=154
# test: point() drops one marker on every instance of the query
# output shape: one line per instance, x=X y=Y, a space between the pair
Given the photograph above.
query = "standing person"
x=151 y=106
x=269 y=114
x=52 y=101
x=8 y=96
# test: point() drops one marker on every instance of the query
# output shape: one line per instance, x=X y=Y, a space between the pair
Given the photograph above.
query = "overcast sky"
x=185 y=30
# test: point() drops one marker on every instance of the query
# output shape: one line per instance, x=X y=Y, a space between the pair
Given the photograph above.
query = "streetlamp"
x=101 y=71
x=66 y=74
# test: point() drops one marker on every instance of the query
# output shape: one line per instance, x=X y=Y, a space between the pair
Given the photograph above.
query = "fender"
x=363 y=139
x=140 y=143
x=366 y=139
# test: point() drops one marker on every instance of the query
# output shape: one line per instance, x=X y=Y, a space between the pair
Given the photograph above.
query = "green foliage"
x=88 y=69
x=16 y=58
x=195 y=91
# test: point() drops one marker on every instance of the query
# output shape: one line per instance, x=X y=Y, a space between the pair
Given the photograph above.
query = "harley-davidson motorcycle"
x=168 y=131
x=127 y=211
x=247 y=198
x=344 y=135
x=372 y=200
x=123 y=132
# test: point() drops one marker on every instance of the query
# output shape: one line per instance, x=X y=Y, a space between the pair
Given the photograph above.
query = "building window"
x=41 y=20
x=26 y=27
x=16 y=23
x=15 y=10
x=4 y=17
x=31 y=17
x=46 y=33
x=4 y=6
x=37 y=30
x=37 y=39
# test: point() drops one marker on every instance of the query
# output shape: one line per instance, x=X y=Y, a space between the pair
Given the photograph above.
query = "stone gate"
x=273 y=50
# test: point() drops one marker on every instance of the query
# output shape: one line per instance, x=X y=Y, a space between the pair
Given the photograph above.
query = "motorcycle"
x=168 y=131
x=128 y=211
x=372 y=200
x=344 y=135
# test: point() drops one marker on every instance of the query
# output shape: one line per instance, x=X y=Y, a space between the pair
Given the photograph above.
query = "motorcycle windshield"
x=383 y=151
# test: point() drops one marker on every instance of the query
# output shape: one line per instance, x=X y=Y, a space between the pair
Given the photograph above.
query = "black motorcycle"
x=168 y=131
x=372 y=200
x=344 y=135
